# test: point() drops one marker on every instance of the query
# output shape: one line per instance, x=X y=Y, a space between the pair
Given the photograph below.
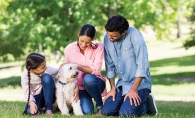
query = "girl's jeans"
x=93 y=88
x=47 y=96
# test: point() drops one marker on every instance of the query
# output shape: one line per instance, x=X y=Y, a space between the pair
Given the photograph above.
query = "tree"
x=42 y=25
x=191 y=41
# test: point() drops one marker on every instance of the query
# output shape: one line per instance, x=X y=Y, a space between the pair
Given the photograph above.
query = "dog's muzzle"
x=75 y=75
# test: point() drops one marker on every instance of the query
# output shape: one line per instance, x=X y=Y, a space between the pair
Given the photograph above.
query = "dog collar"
x=62 y=83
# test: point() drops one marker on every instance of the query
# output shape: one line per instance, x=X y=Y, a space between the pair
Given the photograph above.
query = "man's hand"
x=133 y=97
x=112 y=93
x=76 y=94
x=33 y=107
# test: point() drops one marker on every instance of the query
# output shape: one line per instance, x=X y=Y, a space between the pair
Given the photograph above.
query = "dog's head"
x=68 y=73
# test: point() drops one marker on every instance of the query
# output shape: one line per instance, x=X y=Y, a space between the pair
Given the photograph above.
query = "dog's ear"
x=58 y=75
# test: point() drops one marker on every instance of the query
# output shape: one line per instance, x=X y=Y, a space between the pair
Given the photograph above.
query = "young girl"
x=38 y=85
x=88 y=55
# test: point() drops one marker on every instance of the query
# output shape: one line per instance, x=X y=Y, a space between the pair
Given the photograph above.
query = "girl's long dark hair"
x=88 y=30
x=33 y=60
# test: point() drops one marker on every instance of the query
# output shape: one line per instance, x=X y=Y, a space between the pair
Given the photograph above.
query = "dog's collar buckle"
x=62 y=83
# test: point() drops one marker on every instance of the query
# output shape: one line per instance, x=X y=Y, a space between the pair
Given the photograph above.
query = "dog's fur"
x=64 y=92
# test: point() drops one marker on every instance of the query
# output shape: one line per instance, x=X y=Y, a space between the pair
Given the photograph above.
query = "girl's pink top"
x=92 y=58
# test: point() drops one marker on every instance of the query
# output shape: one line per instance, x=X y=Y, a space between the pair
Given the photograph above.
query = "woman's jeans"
x=47 y=96
x=94 y=86
x=124 y=108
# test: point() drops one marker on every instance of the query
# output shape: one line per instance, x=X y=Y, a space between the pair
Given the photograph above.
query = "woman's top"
x=92 y=58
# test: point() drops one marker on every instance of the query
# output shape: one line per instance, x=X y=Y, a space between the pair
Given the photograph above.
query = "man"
x=126 y=55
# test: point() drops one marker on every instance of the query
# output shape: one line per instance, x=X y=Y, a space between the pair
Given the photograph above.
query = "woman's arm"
x=84 y=69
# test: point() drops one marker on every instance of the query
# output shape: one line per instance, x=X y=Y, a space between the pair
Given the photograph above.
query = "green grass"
x=173 y=76
x=167 y=109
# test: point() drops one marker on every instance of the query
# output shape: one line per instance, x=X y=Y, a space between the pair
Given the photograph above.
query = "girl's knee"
x=46 y=78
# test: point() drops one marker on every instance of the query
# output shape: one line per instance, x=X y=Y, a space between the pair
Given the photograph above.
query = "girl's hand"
x=76 y=94
x=33 y=107
x=62 y=65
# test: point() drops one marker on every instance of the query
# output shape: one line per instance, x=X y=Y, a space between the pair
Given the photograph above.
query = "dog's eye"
x=70 y=68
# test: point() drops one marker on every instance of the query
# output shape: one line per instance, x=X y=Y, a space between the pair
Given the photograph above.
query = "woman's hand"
x=33 y=107
x=76 y=94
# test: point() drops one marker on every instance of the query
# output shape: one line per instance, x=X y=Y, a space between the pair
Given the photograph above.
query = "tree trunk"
x=112 y=11
x=179 y=22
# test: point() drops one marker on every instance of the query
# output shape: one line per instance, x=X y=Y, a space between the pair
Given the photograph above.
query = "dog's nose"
x=77 y=73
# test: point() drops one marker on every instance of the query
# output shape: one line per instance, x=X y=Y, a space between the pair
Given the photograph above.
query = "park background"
x=48 y=26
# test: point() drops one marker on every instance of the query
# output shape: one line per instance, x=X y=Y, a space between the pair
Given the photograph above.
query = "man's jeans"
x=47 y=96
x=93 y=88
x=124 y=108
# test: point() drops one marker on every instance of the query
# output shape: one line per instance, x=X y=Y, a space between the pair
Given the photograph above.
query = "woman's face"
x=84 y=42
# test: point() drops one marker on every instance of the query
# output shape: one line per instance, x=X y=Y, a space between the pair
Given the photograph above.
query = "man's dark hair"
x=117 y=24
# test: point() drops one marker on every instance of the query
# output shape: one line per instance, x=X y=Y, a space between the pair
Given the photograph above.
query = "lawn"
x=173 y=75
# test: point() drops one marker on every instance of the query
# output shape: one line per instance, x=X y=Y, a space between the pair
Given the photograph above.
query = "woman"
x=88 y=55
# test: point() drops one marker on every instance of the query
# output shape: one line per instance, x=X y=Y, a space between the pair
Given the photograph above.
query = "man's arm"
x=112 y=91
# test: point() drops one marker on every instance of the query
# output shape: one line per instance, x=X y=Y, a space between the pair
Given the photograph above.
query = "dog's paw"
x=79 y=114
x=66 y=114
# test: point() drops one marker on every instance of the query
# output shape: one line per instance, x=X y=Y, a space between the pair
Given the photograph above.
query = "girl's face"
x=40 y=69
x=84 y=42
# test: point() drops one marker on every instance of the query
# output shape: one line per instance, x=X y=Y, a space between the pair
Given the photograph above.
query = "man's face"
x=115 y=36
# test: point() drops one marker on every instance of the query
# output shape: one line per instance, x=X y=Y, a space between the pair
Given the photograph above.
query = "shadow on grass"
x=163 y=79
x=175 y=78
x=10 y=81
x=179 y=61
x=6 y=67
x=169 y=79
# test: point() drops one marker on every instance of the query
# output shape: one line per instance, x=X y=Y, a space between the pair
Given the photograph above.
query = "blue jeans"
x=124 y=108
x=47 y=95
x=94 y=86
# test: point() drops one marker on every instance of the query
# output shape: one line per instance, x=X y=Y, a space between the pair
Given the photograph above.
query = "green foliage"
x=42 y=25
x=191 y=42
x=7 y=57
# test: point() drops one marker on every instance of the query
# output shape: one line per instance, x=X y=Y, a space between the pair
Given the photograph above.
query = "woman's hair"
x=117 y=24
x=33 y=60
x=88 y=30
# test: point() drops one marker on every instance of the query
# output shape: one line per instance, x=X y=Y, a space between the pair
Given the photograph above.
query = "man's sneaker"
x=153 y=109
